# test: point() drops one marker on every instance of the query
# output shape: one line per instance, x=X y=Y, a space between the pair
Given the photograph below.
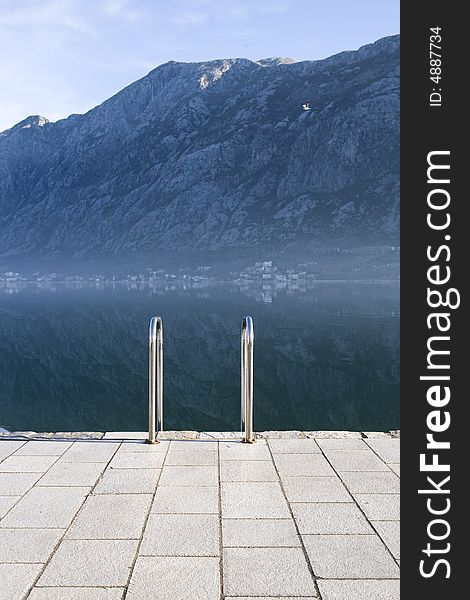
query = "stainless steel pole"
x=155 y=378
x=243 y=376
x=247 y=346
x=159 y=375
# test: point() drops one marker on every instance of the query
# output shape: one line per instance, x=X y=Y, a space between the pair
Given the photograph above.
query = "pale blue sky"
x=59 y=57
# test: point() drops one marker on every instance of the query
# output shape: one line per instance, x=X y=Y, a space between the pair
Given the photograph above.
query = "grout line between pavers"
x=301 y=541
x=94 y=539
x=259 y=518
x=359 y=507
x=82 y=587
x=365 y=493
x=359 y=578
x=56 y=547
x=131 y=569
x=70 y=444
x=13 y=562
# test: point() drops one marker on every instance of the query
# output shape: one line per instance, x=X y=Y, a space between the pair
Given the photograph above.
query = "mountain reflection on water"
x=76 y=359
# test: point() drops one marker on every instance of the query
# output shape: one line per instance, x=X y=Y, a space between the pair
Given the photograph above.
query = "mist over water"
x=76 y=359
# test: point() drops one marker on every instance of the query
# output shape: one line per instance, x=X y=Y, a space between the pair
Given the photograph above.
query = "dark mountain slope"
x=212 y=156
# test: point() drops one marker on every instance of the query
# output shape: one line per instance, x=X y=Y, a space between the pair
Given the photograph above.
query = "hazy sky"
x=59 y=57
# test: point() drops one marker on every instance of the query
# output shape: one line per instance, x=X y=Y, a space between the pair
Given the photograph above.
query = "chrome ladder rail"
x=155 y=379
x=247 y=344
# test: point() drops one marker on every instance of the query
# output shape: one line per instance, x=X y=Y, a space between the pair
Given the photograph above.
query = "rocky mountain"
x=217 y=156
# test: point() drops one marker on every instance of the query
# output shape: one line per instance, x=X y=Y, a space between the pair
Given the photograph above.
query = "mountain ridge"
x=211 y=156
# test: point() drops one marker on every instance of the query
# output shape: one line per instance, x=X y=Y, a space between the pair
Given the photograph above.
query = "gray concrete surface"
x=199 y=516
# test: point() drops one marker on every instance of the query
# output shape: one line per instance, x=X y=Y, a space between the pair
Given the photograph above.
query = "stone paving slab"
x=331 y=443
x=177 y=578
x=63 y=474
x=247 y=470
x=376 y=483
x=379 y=507
x=27 y=464
x=293 y=446
x=90 y=451
x=350 y=557
x=186 y=500
x=360 y=590
x=259 y=533
x=128 y=481
x=303 y=465
x=78 y=593
x=46 y=507
x=389 y=531
x=51 y=448
x=192 y=476
x=28 y=545
x=315 y=489
x=7 y=502
x=191 y=458
x=17 y=579
x=267 y=572
x=255 y=500
x=387 y=449
x=7 y=447
x=137 y=460
x=94 y=563
x=194 y=446
x=237 y=451
x=17 y=484
x=125 y=435
x=330 y=518
x=304 y=515
x=140 y=446
x=181 y=535
x=106 y=516
x=355 y=460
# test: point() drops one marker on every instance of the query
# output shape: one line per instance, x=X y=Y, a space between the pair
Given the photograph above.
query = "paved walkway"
x=201 y=519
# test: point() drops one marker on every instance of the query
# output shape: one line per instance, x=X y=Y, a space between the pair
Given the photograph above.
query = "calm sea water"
x=76 y=359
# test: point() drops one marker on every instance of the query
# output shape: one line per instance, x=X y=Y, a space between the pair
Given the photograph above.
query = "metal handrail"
x=155 y=378
x=247 y=344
